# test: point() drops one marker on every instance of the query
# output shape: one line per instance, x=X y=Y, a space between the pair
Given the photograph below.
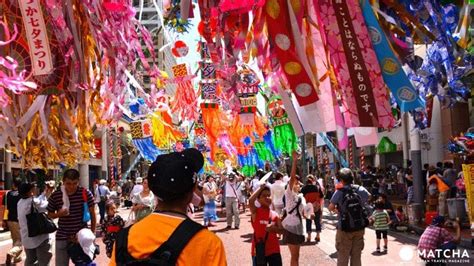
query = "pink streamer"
x=11 y=80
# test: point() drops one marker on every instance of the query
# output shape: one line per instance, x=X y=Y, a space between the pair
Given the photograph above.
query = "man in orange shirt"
x=443 y=190
x=172 y=178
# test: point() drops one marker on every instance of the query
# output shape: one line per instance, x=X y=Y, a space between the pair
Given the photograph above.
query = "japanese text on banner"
x=37 y=36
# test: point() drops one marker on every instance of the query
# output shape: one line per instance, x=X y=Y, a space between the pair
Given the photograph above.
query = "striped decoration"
x=362 y=159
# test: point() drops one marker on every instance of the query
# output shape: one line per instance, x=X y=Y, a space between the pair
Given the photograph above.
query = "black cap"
x=172 y=175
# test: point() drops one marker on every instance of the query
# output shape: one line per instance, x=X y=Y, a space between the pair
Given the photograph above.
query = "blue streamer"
x=147 y=148
x=397 y=81
x=334 y=150
x=268 y=139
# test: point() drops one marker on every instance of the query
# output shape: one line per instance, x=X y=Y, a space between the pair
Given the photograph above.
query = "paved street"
x=237 y=243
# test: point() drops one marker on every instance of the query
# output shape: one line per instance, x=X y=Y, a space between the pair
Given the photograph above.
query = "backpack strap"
x=121 y=247
x=170 y=250
x=84 y=195
x=296 y=208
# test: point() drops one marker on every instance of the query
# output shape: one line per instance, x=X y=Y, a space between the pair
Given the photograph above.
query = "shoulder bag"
x=86 y=215
x=5 y=210
x=39 y=223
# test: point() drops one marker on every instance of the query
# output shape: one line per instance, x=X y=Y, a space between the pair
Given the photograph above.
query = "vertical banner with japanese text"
x=365 y=97
x=468 y=171
x=37 y=36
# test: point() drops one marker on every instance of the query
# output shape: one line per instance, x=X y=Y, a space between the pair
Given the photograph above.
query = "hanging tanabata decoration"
x=173 y=18
x=216 y=125
x=142 y=139
x=284 y=135
x=397 y=81
x=247 y=123
x=163 y=130
x=365 y=99
x=180 y=49
x=280 y=31
x=80 y=55
x=185 y=100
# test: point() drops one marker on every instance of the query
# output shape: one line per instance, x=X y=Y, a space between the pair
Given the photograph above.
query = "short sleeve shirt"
x=432 y=237
x=293 y=222
x=69 y=225
x=263 y=217
x=205 y=248
x=338 y=196
x=11 y=199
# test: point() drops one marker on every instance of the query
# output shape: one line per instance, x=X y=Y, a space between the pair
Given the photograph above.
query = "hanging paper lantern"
x=180 y=49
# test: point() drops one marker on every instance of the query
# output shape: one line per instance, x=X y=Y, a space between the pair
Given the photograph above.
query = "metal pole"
x=104 y=154
x=8 y=169
x=416 y=166
x=304 y=170
x=405 y=128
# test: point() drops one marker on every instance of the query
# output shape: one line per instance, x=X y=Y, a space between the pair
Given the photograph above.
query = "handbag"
x=130 y=220
x=86 y=215
x=5 y=211
x=39 y=223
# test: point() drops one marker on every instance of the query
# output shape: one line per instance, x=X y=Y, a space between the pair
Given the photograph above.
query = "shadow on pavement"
x=375 y=253
x=247 y=237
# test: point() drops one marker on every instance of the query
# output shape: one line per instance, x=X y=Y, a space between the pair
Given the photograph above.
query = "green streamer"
x=285 y=138
x=263 y=153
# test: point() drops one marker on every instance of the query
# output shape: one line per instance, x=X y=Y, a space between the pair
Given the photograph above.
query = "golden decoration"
x=296 y=5
x=273 y=8
x=292 y=68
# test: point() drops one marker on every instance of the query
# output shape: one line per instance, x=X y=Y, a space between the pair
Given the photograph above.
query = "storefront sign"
x=37 y=36
x=98 y=148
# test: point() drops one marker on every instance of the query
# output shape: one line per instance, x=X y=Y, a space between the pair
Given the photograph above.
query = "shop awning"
x=386 y=145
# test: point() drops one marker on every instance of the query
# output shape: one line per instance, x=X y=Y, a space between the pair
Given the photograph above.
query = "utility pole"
x=415 y=148
x=304 y=168
x=405 y=128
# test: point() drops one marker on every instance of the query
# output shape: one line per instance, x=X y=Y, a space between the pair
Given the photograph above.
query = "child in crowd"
x=84 y=252
x=112 y=225
x=381 y=221
x=266 y=224
x=400 y=215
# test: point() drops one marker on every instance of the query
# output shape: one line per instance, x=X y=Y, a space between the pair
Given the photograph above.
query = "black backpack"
x=166 y=254
x=353 y=213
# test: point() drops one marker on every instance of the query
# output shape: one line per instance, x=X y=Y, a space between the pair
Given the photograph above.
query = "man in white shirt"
x=137 y=188
x=37 y=248
x=255 y=183
x=278 y=191
x=231 y=201
x=103 y=193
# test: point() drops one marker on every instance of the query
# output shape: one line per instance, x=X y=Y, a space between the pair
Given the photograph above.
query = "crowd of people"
x=282 y=207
